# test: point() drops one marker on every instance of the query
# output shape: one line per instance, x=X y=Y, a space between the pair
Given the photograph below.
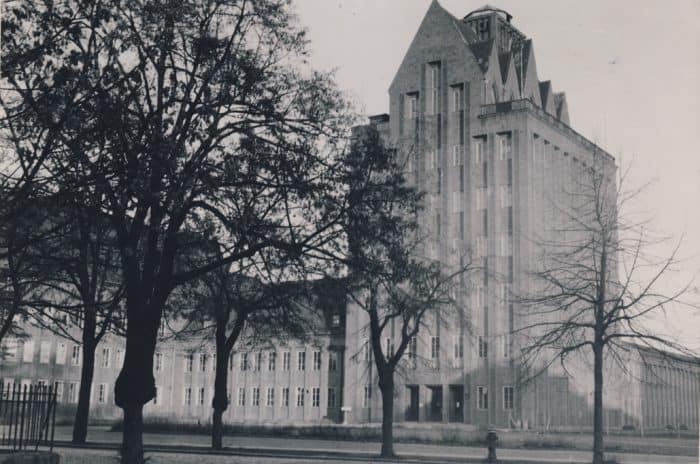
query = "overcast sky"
x=630 y=71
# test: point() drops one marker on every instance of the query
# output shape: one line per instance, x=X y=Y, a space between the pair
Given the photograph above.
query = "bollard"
x=491 y=439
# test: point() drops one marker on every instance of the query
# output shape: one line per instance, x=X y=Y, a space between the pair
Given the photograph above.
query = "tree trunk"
x=132 y=437
x=82 y=414
x=598 y=403
x=220 y=401
x=386 y=385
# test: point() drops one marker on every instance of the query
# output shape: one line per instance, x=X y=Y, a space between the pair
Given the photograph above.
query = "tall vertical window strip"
x=367 y=396
x=482 y=397
x=504 y=146
x=286 y=356
x=301 y=361
x=483 y=347
x=411 y=106
x=271 y=360
x=285 y=396
x=315 y=397
x=456 y=97
x=508 y=398
x=433 y=87
x=434 y=347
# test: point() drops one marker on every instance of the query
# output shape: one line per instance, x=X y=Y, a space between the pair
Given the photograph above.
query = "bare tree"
x=597 y=284
x=387 y=277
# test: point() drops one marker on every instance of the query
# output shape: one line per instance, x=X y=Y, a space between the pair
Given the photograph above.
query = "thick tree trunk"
x=220 y=401
x=82 y=414
x=598 y=403
x=386 y=385
x=132 y=437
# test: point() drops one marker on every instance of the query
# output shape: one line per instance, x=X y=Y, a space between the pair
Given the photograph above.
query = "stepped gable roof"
x=505 y=59
x=482 y=53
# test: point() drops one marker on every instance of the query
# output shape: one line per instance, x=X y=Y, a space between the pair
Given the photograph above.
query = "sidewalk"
x=326 y=450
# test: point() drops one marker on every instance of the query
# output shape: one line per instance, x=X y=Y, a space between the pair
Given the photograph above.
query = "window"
x=271 y=360
x=317 y=360
x=161 y=328
x=45 y=352
x=286 y=356
x=256 y=396
x=270 y=401
x=367 y=396
x=456 y=155
x=332 y=361
x=508 y=398
x=510 y=269
x=437 y=225
x=120 y=357
x=301 y=360
x=331 y=398
x=458 y=347
x=28 y=351
x=155 y=396
x=76 y=355
x=430 y=160
x=335 y=320
x=509 y=213
x=231 y=361
x=366 y=351
x=461 y=225
x=411 y=105
x=479 y=150
x=241 y=396
x=456 y=97
x=200 y=397
x=483 y=347
x=509 y=167
x=435 y=347
x=189 y=362
x=72 y=392
x=461 y=178
x=485 y=174
x=504 y=147
x=102 y=393
x=187 y=399
x=315 y=397
x=61 y=354
x=388 y=347
x=438 y=180
x=484 y=222
x=285 y=397
x=433 y=86
x=258 y=361
x=159 y=361
x=413 y=351
x=300 y=397
x=482 y=397
x=202 y=362
x=105 y=357
x=59 y=392
x=244 y=361
x=506 y=345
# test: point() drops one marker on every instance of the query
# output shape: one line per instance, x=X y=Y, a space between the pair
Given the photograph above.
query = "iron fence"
x=27 y=416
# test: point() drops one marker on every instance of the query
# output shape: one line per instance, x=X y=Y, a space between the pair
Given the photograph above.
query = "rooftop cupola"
x=489 y=23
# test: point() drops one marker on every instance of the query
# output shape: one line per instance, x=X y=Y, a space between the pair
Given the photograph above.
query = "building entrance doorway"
x=412 y=403
x=456 y=403
x=435 y=405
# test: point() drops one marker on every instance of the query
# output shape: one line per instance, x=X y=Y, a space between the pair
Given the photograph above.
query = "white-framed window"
x=28 y=351
x=456 y=97
x=413 y=352
x=256 y=396
x=45 y=352
x=155 y=396
x=285 y=397
x=76 y=355
x=431 y=159
x=332 y=361
x=286 y=360
x=120 y=357
x=317 y=360
x=411 y=105
x=258 y=361
x=409 y=168
x=241 y=396
x=506 y=345
x=203 y=359
x=481 y=197
x=508 y=394
x=231 y=361
x=300 y=397
x=367 y=396
x=505 y=195
x=59 y=391
x=483 y=347
x=187 y=397
x=244 y=361
x=73 y=392
x=435 y=347
x=315 y=397
x=61 y=353
x=159 y=361
x=456 y=155
x=271 y=360
x=270 y=400
x=200 y=397
x=479 y=150
x=102 y=393
x=505 y=148
x=458 y=347
x=189 y=362
x=106 y=352
x=482 y=397
x=301 y=360
x=331 y=397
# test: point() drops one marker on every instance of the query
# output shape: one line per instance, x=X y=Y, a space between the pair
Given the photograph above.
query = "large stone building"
x=491 y=144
